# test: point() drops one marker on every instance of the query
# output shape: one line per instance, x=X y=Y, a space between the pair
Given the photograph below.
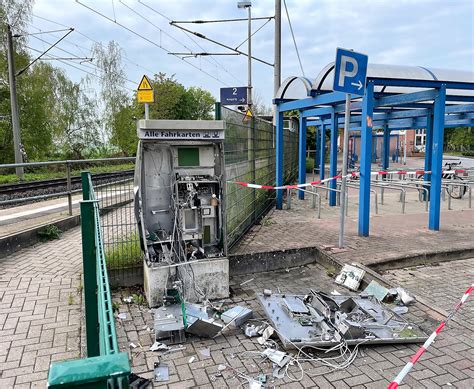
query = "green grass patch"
x=309 y=165
x=124 y=254
x=46 y=175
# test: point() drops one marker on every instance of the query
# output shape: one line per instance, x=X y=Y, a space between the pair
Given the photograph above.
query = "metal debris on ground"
x=238 y=315
x=177 y=318
x=376 y=290
x=318 y=319
x=350 y=277
x=161 y=371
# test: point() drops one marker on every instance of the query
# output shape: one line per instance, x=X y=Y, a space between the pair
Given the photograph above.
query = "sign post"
x=349 y=77
x=145 y=94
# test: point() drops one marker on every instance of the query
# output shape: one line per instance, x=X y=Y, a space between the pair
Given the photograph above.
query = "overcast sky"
x=430 y=33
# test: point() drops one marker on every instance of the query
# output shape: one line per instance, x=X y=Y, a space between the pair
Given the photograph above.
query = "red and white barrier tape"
x=399 y=378
x=353 y=174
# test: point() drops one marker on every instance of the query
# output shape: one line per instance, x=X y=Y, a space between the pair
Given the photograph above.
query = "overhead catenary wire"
x=148 y=40
x=96 y=67
x=92 y=40
x=76 y=67
x=45 y=52
x=294 y=40
x=189 y=36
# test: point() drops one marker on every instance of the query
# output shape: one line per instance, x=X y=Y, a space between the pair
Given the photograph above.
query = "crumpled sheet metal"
x=377 y=323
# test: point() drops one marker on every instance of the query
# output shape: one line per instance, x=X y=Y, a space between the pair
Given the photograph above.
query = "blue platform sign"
x=234 y=96
x=350 y=72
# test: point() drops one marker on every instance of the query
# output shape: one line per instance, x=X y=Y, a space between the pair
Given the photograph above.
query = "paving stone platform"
x=448 y=364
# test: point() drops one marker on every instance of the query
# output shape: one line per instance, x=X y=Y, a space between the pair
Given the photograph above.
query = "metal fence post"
x=69 y=187
x=85 y=185
x=89 y=265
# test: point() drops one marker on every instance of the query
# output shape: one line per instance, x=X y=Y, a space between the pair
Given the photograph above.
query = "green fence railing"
x=105 y=366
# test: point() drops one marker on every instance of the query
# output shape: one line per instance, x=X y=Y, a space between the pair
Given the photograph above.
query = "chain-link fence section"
x=249 y=149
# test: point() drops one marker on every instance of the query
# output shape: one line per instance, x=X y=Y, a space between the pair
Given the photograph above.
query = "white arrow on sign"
x=359 y=85
x=242 y=99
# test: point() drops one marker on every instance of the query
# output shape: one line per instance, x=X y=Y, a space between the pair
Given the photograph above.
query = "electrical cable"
x=96 y=67
x=191 y=39
x=293 y=36
x=148 y=40
x=92 y=40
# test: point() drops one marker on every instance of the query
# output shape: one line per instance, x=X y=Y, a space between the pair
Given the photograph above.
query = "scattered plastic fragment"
x=267 y=292
x=221 y=367
x=267 y=333
x=133 y=345
x=205 y=352
x=405 y=297
x=262 y=378
x=192 y=359
x=246 y=282
x=122 y=316
x=157 y=346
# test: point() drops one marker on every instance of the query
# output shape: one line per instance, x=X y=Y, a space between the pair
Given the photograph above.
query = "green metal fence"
x=105 y=366
x=249 y=156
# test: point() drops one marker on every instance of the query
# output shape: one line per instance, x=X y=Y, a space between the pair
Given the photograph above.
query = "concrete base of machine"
x=210 y=275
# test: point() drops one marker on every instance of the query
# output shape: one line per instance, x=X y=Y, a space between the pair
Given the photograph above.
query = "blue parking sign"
x=350 y=72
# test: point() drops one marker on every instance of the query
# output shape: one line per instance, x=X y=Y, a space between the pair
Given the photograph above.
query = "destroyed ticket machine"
x=179 y=207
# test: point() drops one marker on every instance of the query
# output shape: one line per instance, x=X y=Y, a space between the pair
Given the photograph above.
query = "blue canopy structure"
x=396 y=97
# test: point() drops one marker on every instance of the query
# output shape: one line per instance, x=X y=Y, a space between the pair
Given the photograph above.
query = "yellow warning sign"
x=248 y=115
x=145 y=84
x=146 y=96
x=145 y=92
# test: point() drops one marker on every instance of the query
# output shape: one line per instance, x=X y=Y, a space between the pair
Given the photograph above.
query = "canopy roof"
x=295 y=87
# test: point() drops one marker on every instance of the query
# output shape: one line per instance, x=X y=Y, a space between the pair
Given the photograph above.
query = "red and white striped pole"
x=399 y=378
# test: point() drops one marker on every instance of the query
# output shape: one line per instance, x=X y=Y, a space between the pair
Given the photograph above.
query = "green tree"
x=172 y=101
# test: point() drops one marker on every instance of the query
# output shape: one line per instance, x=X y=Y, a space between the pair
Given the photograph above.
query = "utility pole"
x=14 y=104
x=277 y=67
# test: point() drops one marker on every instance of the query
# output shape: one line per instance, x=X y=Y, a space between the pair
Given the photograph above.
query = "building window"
x=420 y=139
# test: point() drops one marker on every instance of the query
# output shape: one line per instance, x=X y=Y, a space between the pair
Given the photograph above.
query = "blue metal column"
x=386 y=147
x=318 y=146
x=437 y=157
x=322 y=152
x=333 y=159
x=428 y=145
x=302 y=155
x=279 y=157
x=366 y=159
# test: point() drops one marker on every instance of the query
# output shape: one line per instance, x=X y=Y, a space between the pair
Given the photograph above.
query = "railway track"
x=58 y=183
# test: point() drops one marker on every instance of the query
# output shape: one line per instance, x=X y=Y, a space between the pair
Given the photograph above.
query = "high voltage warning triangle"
x=145 y=84
x=248 y=115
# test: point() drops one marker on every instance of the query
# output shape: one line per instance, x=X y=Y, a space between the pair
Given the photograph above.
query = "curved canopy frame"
x=396 y=97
